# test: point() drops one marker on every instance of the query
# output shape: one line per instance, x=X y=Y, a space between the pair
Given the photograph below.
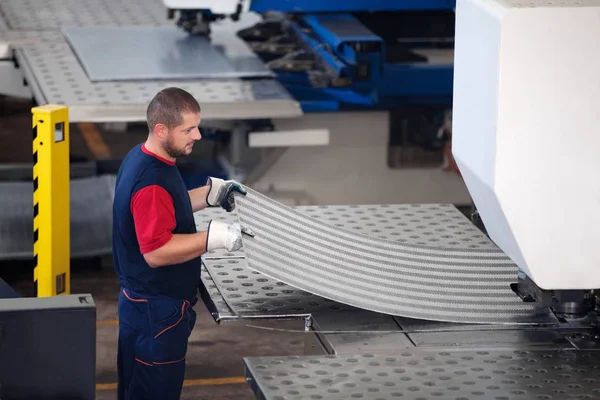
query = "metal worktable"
x=54 y=74
x=430 y=374
x=353 y=353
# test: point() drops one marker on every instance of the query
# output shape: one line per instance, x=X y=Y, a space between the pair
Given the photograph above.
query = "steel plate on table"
x=415 y=281
x=161 y=52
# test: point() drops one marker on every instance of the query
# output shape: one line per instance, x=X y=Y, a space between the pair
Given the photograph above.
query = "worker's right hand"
x=221 y=193
x=223 y=236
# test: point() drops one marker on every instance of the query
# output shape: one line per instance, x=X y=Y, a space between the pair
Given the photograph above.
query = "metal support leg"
x=51 y=216
x=237 y=144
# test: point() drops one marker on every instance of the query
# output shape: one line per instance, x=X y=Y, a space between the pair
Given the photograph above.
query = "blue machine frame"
x=354 y=58
x=355 y=55
x=317 y=6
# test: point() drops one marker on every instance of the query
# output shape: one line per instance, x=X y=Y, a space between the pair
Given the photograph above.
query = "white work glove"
x=223 y=236
x=221 y=193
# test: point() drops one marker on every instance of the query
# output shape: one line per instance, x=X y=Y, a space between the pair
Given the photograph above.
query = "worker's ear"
x=161 y=131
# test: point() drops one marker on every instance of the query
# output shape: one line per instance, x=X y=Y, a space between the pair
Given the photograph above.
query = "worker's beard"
x=171 y=150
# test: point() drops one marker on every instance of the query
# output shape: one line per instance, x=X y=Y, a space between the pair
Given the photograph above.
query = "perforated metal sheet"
x=498 y=375
x=91 y=218
x=213 y=299
x=441 y=225
x=34 y=15
x=423 y=282
x=253 y=295
x=164 y=52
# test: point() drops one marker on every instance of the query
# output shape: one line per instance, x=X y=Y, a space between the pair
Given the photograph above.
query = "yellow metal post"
x=51 y=183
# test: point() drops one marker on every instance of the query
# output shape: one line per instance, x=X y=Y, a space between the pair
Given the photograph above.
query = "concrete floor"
x=214 y=360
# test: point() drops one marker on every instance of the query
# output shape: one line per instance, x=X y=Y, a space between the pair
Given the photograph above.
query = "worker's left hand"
x=224 y=236
x=221 y=193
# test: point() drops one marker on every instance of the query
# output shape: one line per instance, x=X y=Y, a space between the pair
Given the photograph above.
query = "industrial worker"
x=157 y=249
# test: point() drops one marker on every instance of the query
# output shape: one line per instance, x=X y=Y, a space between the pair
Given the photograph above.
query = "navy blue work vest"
x=137 y=171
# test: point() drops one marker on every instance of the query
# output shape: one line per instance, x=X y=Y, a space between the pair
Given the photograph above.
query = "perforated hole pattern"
x=31 y=15
x=222 y=309
x=415 y=281
x=441 y=225
x=428 y=375
x=251 y=294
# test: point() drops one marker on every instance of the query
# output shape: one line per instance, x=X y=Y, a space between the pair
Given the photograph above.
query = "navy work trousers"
x=153 y=340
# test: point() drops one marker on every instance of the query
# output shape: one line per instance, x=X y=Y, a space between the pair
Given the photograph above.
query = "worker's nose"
x=197 y=135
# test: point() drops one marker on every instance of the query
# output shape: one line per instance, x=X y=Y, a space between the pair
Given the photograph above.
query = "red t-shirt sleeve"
x=154 y=217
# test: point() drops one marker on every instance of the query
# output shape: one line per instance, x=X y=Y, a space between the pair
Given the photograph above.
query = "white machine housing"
x=215 y=6
x=526 y=134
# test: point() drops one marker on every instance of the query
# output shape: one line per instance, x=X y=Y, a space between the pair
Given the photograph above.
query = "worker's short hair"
x=167 y=107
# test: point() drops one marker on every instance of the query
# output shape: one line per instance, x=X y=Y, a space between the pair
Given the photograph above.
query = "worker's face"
x=180 y=140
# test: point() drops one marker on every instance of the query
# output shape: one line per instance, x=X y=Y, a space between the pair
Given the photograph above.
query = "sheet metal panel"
x=514 y=374
x=234 y=290
x=156 y=52
x=415 y=281
x=442 y=225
